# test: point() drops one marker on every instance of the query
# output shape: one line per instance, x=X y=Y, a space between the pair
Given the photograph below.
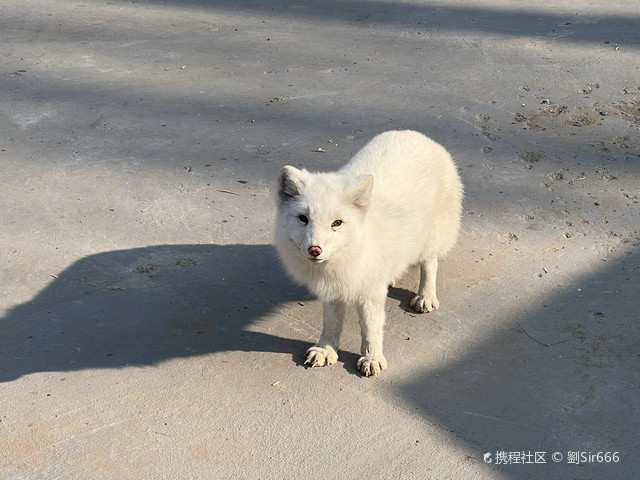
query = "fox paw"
x=369 y=366
x=320 y=357
x=424 y=304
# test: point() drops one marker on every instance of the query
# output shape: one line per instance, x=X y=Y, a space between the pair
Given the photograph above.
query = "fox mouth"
x=316 y=259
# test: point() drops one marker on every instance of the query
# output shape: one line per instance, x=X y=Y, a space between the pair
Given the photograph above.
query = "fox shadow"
x=403 y=296
x=146 y=305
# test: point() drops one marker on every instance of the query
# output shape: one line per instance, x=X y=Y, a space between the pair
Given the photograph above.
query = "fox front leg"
x=325 y=351
x=372 y=318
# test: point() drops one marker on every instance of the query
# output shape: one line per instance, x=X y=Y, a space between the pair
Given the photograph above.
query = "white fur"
x=399 y=203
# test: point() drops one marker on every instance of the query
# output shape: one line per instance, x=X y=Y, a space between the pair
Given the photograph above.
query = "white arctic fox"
x=348 y=234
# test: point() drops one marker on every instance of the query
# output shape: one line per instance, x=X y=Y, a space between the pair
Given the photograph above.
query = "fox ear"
x=290 y=183
x=361 y=193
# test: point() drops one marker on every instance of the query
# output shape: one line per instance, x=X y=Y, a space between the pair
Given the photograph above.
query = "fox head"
x=320 y=213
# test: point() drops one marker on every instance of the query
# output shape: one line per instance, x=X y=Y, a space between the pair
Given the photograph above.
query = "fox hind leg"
x=426 y=300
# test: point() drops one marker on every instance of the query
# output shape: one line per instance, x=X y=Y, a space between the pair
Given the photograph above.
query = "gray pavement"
x=147 y=330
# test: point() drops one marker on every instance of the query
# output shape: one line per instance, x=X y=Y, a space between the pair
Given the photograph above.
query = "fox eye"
x=303 y=219
x=336 y=223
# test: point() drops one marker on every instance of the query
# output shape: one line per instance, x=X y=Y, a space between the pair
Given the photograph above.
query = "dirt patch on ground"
x=630 y=111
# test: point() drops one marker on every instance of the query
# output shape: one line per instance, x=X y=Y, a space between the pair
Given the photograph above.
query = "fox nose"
x=315 y=251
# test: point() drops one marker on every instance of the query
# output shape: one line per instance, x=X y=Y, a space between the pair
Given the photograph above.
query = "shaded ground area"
x=146 y=327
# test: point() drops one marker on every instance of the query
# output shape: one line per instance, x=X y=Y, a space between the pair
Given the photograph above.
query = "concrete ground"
x=146 y=327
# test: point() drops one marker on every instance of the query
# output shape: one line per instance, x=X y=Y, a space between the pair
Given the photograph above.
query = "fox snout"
x=315 y=251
